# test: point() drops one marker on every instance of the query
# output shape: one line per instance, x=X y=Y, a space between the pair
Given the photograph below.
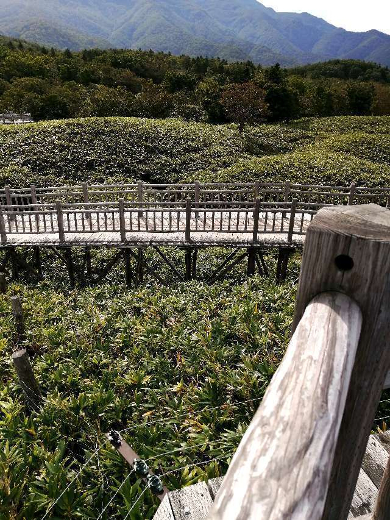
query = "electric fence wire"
x=173 y=471
x=70 y=484
x=182 y=414
x=115 y=494
x=183 y=448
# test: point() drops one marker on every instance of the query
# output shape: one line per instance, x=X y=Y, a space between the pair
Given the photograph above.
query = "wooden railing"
x=253 y=209
x=11 y=118
x=302 y=453
x=197 y=192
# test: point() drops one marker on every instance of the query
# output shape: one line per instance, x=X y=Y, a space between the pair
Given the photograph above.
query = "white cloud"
x=349 y=14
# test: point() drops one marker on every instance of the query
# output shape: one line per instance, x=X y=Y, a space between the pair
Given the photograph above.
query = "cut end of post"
x=19 y=353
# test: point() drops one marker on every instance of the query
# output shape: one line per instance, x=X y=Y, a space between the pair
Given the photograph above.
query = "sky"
x=353 y=15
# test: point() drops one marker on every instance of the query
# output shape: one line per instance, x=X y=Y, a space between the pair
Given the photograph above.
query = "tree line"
x=52 y=84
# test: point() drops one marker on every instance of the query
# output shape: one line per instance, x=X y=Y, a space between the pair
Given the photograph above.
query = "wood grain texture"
x=361 y=233
x=192 y=502
x=282 y=466
x=375 y=460
x=364 y=498
x=164 y=512
x=382 y=507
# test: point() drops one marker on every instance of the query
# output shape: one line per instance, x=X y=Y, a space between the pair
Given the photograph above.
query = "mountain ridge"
x=233 y=30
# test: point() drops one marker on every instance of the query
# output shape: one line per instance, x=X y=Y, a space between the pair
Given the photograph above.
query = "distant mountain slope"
x=231 y=29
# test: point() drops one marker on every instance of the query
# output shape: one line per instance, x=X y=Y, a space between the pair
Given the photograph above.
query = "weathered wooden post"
x=3 y=233
x=256 y=217
x=21 y=361
x=140 y=189
x=302 y=454
x=382 y=507
x=122 y=222
x=17 y=312
x=84 y=187
x=188 y=221
x=292 y=221
x=351 y=196
x=33 y=193
x=257 y=190
x=197 y=197
x=347 y=250
x=3 y=283
x=60 y=221
x=8 y=198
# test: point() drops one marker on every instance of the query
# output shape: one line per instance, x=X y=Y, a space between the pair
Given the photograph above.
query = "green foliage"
x=60 y=85
x=104 y=358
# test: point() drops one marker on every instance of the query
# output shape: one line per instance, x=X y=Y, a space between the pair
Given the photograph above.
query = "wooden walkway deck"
x=180 y=214
x=194 y=502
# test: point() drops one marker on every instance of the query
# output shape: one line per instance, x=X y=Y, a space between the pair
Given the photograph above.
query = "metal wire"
x=115 y=494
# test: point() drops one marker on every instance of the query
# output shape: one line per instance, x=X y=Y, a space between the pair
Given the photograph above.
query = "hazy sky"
x=354 y=15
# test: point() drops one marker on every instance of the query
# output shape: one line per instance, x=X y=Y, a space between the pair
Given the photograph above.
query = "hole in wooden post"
x=344 y=263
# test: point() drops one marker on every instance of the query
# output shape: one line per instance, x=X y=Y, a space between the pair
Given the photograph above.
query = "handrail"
x=302 y=453
x=283 y=464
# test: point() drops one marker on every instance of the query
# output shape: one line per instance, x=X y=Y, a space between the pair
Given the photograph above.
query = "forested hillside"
x=233 y=30
x=52 y=84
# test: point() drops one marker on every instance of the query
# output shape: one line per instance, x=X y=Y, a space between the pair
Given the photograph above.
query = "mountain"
x=231 y=29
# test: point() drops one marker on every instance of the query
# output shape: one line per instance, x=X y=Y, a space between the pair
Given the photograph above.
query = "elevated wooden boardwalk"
x=253 y=216
x=194 y=502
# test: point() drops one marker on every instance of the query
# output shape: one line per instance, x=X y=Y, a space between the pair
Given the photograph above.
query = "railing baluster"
x=256 y=216
x=122 y=223
x=3 y=233
x=292 y=221
x=60 y=221
x=188 y=221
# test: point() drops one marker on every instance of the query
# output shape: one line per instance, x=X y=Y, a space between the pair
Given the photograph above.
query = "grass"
x=169 y=364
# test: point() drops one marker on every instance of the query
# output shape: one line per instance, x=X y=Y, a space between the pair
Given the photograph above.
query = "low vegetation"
x=180 y=368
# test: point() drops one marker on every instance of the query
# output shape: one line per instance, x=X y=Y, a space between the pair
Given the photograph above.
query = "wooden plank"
x=164 y=512
x=193 y=502
x=375 y=460
x=365 y=495
x=214 y=486
x=286 y=455
x=382 y=507
x=353 y=245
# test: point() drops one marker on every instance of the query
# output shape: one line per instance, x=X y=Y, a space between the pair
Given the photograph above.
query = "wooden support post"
x=84 y=186
x=70 y=265
x=140 y=266
x=194 y=264
x=8 y=199
x=122 y=222
x=257 y=190
x=34 y=202
x=27 y=380
x=140 y=189
x=256 y=216
x=188 y=221
x=3 y=233
x=60 y=221
x=251 y=261
x=14 y=264
x=351 y=194
x=197 y=197
x=38 y=262
x=17 y=312
x=188 y=262
x=282 y=265
x=3 y=283
x=128 y=271
x=292 y=221
x=264 y=267
x=382 y=507
x=88 y=262
x=282 y=467
x=347 y=249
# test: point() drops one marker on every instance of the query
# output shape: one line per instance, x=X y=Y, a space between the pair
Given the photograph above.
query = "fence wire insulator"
x=141 y=468
x=115 y=438
x=155 y=484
